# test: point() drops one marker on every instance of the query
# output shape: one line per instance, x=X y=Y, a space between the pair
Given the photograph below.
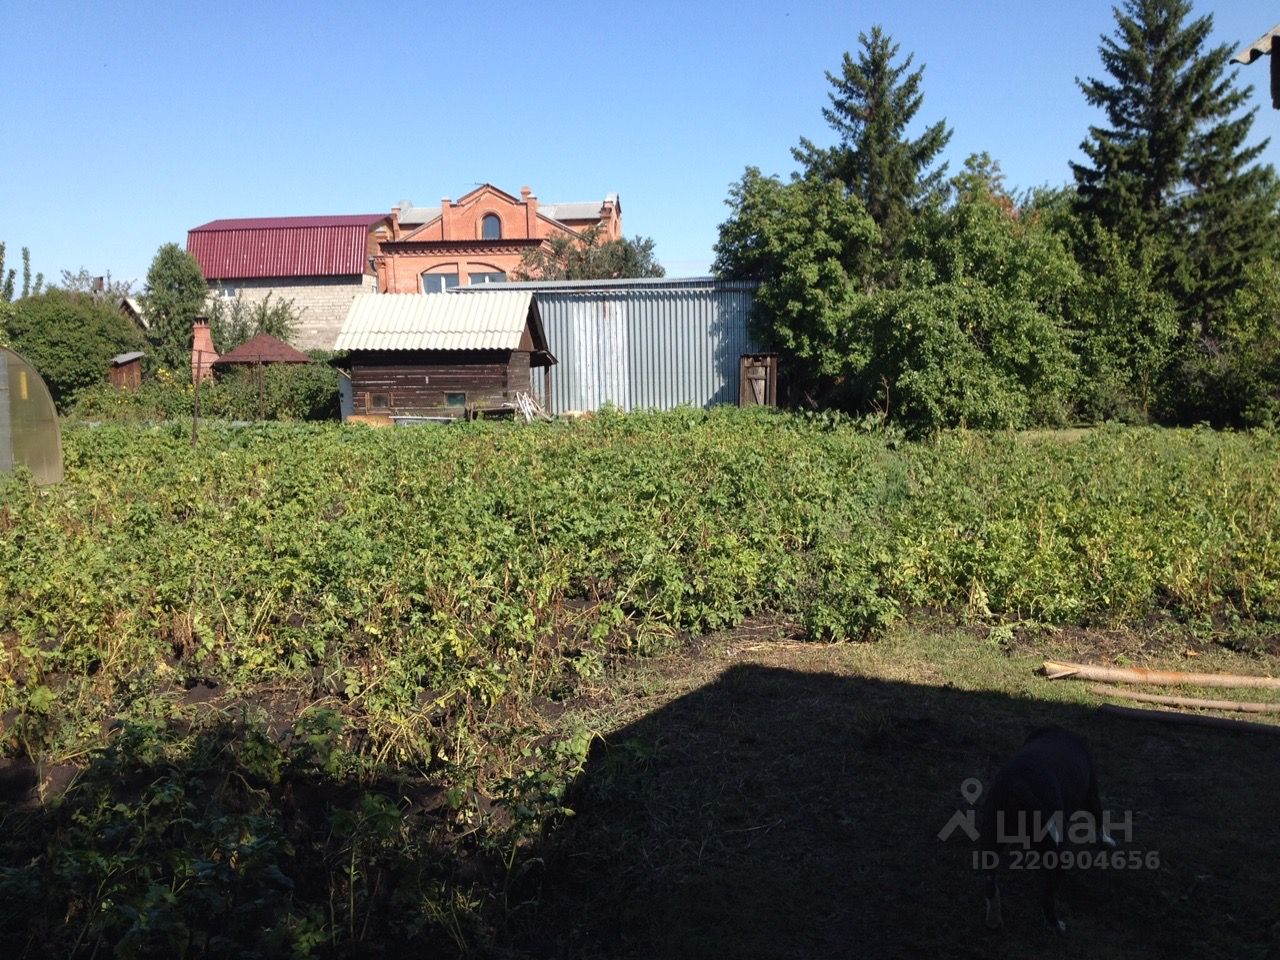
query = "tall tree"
x=85 y=282
x=174 y=296
x=1172 y=164
x=6 y=279
x=873 y=102
x=589 y=256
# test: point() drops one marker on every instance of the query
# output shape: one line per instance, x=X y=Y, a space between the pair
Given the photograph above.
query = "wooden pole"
x=195 y=410
x=1239 y=706
x=1060 y=670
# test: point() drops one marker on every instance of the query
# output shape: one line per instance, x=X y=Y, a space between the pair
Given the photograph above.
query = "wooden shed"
x=442 y=354
x=126 y=371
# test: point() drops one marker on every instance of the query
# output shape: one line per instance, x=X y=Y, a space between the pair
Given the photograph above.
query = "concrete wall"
x=323 y=303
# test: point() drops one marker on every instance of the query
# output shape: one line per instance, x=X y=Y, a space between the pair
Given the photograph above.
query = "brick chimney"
x=202 y=353
x=611 y=217
x=530 y=211
x=446 y=219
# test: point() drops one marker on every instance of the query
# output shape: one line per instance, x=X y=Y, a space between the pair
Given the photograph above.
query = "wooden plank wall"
x=417 y=383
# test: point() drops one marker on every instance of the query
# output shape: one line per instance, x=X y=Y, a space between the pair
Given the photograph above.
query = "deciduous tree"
x=588 y=256
x=69 y=338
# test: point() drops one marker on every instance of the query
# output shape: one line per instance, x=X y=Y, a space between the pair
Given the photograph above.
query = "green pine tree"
x=1171 y=166
x=872 y=104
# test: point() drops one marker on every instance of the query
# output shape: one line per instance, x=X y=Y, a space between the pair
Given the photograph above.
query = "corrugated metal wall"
x=642 y=343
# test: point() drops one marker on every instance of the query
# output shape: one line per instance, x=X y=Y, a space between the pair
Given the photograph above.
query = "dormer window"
x=491 y=227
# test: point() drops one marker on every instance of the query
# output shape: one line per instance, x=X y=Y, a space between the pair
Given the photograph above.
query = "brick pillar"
x=202 y=353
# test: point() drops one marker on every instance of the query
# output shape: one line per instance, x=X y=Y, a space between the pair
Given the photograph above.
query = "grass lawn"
x=757 y=797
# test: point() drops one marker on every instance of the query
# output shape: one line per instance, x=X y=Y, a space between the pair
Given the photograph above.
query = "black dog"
x=1047 y=789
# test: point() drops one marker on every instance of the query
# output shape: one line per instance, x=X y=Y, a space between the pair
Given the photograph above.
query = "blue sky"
x=127 y=123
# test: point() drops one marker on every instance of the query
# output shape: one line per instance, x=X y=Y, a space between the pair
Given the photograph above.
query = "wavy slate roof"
x=1259 y=48
x=439 y=321
x=282 y=246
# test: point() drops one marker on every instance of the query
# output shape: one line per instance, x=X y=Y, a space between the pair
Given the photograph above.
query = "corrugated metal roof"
x=282 y=246
x=437 y=321
x=1259 y=48
x=123 y=358
x=279 y=223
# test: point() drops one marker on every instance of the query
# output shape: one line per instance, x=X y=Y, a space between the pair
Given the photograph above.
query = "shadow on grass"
x=778 y=813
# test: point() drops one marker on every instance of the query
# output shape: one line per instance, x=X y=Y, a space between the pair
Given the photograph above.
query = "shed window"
x=491 y=227
x=438 y=282
x=377 y=401
x=455 y=399
x=494 y=276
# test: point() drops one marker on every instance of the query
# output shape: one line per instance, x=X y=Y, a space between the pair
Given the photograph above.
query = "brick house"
x=320 y=263
x=480 y=237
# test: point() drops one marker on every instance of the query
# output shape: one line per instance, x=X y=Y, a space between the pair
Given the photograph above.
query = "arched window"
x=491 y=227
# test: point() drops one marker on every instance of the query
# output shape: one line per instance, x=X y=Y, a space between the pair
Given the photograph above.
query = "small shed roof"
x=441 y=321
x=262 y=348
x=1268 y=43
x=120 y=359
x=1259 y=48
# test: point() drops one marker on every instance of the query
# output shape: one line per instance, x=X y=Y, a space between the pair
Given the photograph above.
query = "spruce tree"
x=1171 y=167
x=174 y=296
x=872 y=104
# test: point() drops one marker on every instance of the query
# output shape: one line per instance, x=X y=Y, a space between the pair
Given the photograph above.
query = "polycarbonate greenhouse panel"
x=29 y=431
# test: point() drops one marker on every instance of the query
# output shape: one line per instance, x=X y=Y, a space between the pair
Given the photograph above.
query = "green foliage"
x=872 y=104
x=1235 y=380
x=1126 y=325
x=588 y=256
x=69 y=338
x=232 y=324
x=972 y=334
x=85 y=282
x=283 y=391
x=174 y=296
x=7 y=279
x=1172 y=164
x=814 y=250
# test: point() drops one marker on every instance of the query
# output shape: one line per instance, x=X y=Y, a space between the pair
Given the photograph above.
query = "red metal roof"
x=263 y=348
x=282 y=246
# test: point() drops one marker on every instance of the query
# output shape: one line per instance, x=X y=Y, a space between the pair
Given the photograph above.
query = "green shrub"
x=271 y=392
x=69 y=338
